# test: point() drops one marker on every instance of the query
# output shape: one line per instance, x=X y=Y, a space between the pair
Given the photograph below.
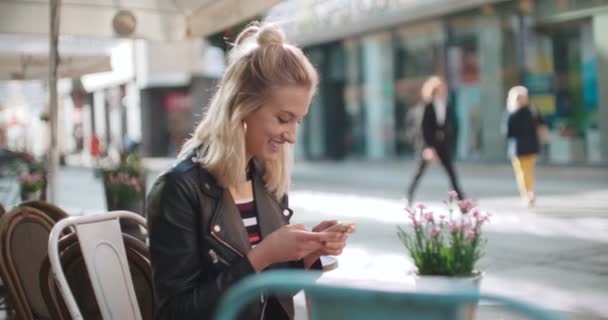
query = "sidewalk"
x=557 y=251
x=562 y=191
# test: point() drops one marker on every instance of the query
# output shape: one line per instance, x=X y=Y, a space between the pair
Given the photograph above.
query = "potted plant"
x=32 y=178
x=124 y=186
x=32 y=185
x=446 y=246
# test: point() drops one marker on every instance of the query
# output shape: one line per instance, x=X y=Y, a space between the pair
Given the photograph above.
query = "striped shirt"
x=249 y=214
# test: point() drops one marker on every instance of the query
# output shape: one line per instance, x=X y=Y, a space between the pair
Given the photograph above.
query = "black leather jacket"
x=521 y=129
x=440 y=137
x=198 y=243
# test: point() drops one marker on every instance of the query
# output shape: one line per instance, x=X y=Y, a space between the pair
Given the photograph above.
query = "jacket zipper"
x=216 y=258
x=263 y=307
x=216 y=237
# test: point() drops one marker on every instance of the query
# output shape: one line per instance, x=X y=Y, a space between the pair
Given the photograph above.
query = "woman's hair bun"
x=270 y=35
x=251 y=30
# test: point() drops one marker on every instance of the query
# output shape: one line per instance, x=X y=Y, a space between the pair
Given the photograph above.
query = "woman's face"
x=442 y=92
x=522 y=100
x=275 y=122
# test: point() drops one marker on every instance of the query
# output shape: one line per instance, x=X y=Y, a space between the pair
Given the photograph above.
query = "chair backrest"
x=51 y=210
x=103 y=250
x=331 y=301
x=74 y=266
x=24 y=235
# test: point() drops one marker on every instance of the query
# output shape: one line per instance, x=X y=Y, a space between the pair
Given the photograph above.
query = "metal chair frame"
x=105 y=257
x=331 y=301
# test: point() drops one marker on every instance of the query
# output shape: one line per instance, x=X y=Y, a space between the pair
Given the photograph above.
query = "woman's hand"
x=329 y=248
x=289 y=243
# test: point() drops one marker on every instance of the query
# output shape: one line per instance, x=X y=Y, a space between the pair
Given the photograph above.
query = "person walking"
x=523 y=144
x=222 y=212
x=438 y=134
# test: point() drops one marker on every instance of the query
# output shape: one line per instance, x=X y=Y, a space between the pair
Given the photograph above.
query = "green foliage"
x=445 y=245
x=33 y=174
x=126 y=181
x=32 y=181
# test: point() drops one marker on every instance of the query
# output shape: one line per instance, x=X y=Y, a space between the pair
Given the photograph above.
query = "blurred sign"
x=541 y=89
x=314 y=21
x=540 y=83
x=178 y=101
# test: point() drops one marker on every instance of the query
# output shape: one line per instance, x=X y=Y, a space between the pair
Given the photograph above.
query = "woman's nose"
x=290 y=136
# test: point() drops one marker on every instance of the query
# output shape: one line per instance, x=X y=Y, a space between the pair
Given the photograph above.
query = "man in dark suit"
x=438 y=134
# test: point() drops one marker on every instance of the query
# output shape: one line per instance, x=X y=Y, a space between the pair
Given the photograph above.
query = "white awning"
x=26 y=57
x=34 y=67
x=153 y=19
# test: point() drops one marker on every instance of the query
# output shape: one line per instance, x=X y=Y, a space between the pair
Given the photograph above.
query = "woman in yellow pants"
x=523 y=144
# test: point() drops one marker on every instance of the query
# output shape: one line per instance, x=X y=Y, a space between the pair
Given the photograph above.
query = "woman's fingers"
x=335 y=245
x=320 y=236
x=324 y=225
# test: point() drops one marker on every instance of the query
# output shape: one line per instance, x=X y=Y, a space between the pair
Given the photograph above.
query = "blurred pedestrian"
x=523 y=143
x=95 y=146
x=438 y=134
x=221 y=213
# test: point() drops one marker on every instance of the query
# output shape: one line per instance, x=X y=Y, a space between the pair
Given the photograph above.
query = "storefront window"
x=463 y=77
x=566 y=92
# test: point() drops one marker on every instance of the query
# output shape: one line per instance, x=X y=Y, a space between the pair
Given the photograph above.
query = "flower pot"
x=34 y=195
x=443 y=284
x=136 y=205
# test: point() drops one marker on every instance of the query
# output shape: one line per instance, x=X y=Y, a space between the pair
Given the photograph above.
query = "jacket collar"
x=226 y=222
x=270 y=213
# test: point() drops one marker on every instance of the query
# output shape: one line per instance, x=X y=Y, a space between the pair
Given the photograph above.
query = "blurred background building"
x=373 y=56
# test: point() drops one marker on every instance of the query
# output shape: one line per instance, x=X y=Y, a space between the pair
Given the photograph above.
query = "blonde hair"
x=258 y=62
x=515 y=93
x=430 y=87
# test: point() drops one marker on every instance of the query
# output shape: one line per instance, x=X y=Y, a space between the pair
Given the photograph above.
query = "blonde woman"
x=221 y=213
x=522 y=141
x=438 y=134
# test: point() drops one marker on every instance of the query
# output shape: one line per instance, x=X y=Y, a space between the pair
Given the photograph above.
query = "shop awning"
x=19 y=66
x=150 y=19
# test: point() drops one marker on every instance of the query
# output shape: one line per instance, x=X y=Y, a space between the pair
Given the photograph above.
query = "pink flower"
x=484 y=217
x=469 y=234
x=452 y=194
x=435 y=232
x=421 y=206
x=475 y=212
x=428 y=216
x=453 y=227
x=442 y=216
x=465 y=205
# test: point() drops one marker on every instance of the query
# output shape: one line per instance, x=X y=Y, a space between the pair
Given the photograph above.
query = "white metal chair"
x=105 y=257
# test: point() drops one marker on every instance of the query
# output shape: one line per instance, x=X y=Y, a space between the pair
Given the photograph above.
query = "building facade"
x=153 y=97
x=374 y=55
